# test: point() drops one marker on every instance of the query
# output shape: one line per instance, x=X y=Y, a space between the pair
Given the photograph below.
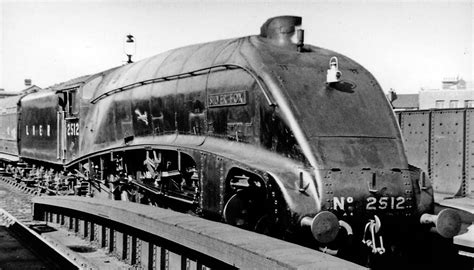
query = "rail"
x=150 y=237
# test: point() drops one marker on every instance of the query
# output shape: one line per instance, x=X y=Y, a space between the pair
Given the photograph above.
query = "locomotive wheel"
x=259 y=210
x=265 y=225
x=240 y=210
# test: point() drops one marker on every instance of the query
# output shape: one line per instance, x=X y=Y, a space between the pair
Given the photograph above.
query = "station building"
x=30 y=88
x=4 y=94
x=454 y=93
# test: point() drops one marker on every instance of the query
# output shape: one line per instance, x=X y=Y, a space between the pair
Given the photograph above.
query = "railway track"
x=35 y=243
x=17 y=246
x=15 y=198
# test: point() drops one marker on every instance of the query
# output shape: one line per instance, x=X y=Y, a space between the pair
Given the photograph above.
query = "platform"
x=463 y=203
x=466 y=242
x=37 y=245
x=15 y=254
x=151 y=237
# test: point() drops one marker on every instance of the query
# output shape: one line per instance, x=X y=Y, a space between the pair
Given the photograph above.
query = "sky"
x=406 y=45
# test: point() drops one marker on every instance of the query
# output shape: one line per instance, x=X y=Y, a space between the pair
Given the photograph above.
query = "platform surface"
x=14 y=254
x=464 y=203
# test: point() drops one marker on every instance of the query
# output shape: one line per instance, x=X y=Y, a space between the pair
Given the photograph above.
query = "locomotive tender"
x=264 y=132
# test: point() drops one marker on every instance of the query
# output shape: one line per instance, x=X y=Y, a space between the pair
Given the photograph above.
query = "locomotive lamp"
x=333 y=74
x=129 y=47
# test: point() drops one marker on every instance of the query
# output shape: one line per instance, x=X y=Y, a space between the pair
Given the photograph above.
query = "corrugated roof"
x=8 y=94
x=9 y=102
x=69 y=84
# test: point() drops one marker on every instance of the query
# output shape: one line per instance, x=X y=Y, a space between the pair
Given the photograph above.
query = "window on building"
x=468 y=103
x=439 y=104
x=453 y=103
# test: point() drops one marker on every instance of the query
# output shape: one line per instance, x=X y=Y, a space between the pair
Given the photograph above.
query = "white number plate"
x=385 y=203
x=372 y=203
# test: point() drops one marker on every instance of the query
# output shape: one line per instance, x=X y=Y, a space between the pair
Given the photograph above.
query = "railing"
x=155 y=238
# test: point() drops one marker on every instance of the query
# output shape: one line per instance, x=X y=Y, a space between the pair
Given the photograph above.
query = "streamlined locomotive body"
x=263 y=132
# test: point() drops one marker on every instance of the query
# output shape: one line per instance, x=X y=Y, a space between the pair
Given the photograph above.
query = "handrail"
x=192 y=73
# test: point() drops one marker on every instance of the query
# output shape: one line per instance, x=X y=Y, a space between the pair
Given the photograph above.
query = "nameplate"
x=227 y=99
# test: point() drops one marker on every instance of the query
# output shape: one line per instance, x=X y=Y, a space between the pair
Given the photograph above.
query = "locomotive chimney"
x=280 y=30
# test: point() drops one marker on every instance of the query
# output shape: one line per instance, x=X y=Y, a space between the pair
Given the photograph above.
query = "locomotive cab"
x=68 y=121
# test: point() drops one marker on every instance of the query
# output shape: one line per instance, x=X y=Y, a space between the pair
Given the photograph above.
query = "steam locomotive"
x=262 y=132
